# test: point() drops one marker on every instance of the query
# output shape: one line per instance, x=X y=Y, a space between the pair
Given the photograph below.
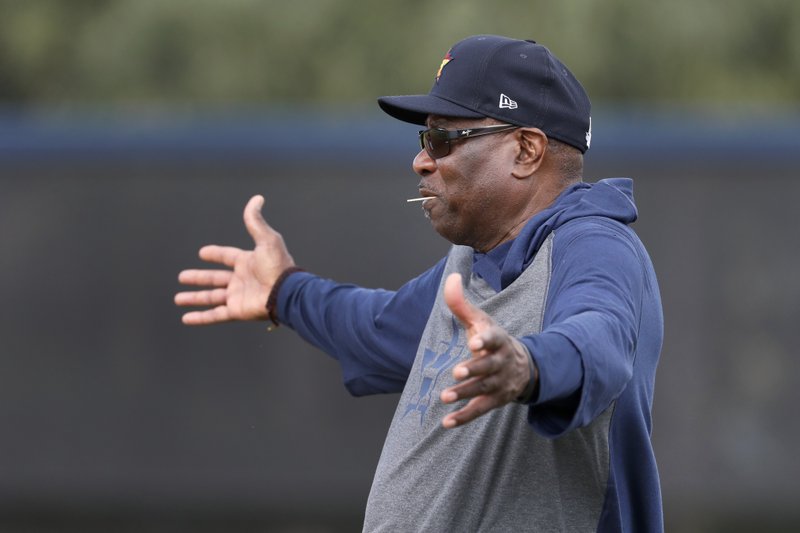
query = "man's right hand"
x=239 y=292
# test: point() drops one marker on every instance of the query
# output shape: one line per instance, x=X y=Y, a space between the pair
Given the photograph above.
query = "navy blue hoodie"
x=600 y=339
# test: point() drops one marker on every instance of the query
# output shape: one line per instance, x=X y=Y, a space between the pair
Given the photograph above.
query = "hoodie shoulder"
x=608 y=198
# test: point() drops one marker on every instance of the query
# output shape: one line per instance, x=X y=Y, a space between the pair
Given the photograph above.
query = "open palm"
x=239 y=292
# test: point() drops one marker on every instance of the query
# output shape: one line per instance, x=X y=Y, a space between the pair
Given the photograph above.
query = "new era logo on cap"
x=506 y=102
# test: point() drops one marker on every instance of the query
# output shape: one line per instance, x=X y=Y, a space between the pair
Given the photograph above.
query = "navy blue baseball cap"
x=515 y=81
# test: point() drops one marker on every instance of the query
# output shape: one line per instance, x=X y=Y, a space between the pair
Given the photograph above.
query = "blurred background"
x=132 y=132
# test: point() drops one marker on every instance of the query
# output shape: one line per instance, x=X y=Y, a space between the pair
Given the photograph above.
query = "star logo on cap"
x=447 y=58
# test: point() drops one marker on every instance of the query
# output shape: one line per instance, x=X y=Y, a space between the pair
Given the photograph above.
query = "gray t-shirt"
x=495 y=473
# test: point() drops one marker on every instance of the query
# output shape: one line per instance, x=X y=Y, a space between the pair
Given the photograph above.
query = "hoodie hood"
x=611 y=198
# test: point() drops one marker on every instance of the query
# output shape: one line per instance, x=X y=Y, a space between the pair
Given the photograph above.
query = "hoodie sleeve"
x=373 y=333
x=585 y=352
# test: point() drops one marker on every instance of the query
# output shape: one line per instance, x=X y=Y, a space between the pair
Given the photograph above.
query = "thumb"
x=256 y=226
x=469 y=315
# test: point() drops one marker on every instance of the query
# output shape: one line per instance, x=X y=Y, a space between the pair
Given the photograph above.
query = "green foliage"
x=215 y=52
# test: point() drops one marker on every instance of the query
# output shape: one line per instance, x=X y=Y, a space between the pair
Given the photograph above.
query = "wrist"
x=272 y=300
x=531 y=390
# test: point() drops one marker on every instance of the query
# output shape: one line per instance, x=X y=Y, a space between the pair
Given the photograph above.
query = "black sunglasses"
x=436 y=141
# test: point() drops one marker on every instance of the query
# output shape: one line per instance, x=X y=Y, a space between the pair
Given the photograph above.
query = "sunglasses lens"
x=435 y=142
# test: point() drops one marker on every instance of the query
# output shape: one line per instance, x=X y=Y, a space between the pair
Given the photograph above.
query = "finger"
x=476 y=407
x=478 y=366
x=488 y=340
x=202 y=298
x=469 y=315
x=254 y=221
x=211 y=316
x=225 y=255
x=471 y=388
x=206 y=278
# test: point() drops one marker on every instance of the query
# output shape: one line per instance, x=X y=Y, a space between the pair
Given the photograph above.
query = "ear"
x=532 y=144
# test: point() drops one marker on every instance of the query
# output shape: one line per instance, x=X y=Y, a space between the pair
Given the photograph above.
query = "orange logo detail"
x=445 y=61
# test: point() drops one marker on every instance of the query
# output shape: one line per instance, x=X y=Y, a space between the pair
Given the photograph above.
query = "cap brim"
x=416 y=108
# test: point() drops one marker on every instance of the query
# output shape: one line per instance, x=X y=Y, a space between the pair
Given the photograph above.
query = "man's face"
x=472 y=185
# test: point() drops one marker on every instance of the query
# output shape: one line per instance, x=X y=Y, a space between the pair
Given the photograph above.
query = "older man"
x=539 y=332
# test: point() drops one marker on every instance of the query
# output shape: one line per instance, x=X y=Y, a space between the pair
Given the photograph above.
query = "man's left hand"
x=499 y=370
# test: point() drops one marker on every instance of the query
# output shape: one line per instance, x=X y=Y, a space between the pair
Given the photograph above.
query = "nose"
x=424 y=164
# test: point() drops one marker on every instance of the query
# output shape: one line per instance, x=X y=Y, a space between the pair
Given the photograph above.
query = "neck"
x=542 y=198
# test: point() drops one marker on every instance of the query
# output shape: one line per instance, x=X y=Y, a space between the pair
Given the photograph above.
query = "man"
x=539 y=332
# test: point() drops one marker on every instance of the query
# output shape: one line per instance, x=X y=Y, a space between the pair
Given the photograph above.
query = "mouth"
x=424 y=195
x=424 y=192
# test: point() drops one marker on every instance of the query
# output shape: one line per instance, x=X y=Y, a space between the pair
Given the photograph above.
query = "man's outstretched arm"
x=240 y=291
